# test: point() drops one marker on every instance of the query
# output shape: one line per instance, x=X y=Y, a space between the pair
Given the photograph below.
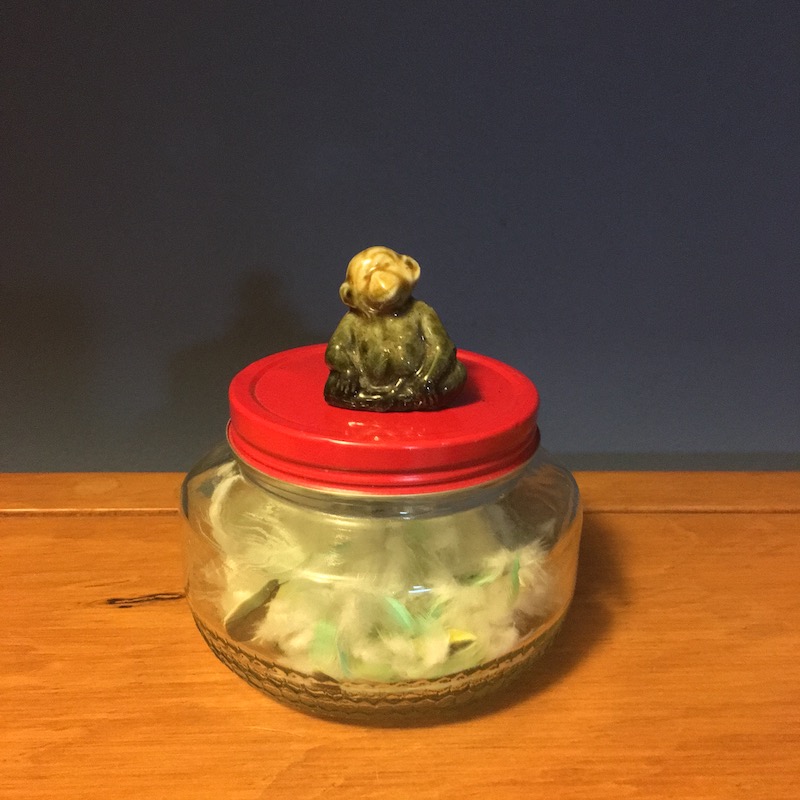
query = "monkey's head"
x=379 y=281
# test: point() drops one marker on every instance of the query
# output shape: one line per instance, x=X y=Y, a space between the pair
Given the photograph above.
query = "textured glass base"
x=355 y=701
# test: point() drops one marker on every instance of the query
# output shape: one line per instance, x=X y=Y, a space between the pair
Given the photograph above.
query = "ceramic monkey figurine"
x=390 y=352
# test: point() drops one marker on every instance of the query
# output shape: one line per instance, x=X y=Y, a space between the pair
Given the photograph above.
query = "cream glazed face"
x=379 y=280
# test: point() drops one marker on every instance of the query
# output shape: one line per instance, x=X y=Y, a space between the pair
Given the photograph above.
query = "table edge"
x=157 y=493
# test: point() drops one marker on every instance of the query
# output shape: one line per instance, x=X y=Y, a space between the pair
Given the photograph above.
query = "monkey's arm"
x=341 y=352
x=341 y=356
x=440 y=353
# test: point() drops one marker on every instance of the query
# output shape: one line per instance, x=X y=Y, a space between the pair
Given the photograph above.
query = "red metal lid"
x=281 y=425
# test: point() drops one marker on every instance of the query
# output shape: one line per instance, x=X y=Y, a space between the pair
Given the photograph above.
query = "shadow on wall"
x=46 y=370
x=196 y=411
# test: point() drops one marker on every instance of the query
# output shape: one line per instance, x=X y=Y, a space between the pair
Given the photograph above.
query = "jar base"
x=366 y=701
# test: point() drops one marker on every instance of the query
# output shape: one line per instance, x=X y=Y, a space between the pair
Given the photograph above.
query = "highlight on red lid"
x=281 y=425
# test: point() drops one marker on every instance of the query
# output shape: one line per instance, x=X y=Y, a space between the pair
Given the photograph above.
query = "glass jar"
x=350 y=563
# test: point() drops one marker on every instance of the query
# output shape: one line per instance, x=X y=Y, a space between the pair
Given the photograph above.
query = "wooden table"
x=675 y=675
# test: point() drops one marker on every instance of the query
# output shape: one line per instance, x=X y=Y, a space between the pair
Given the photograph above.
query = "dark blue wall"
x=605 y=195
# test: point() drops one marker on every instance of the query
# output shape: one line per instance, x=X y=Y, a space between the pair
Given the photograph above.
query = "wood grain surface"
x=675 y=674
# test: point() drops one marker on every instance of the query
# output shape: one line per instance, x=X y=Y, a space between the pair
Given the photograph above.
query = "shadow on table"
x=600 y=589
